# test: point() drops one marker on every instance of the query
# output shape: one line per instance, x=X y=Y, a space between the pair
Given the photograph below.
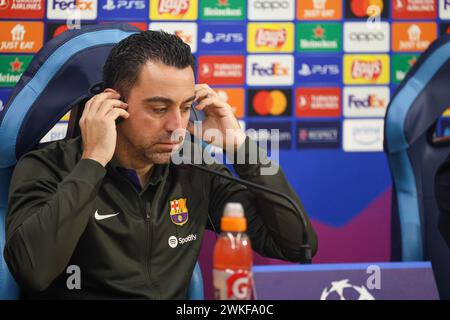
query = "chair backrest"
x=60 y=76
x=414 y=159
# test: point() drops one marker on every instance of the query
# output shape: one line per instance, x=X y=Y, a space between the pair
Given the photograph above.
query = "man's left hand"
x=219 y=116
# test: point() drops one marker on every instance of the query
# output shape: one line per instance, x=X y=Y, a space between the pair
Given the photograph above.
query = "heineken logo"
x=222 y=9
x=325 y=37
x=11 y=69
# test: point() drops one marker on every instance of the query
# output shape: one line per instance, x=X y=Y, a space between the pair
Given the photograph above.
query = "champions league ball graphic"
x=343 y=290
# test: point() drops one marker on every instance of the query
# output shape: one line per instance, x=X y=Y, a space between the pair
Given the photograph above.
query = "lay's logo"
x=270 y=37
x=366 y=69
x=173 y=10
x=173 y=7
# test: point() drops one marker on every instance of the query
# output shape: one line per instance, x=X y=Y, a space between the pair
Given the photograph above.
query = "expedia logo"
x=173 y=7
x=271 y=5
x=270 y=38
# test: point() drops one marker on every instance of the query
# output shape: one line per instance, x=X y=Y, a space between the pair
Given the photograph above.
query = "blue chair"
x=61 y=77
x=414 y=157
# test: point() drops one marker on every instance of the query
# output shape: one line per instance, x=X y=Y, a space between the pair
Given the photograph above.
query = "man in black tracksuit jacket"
x=108 y=201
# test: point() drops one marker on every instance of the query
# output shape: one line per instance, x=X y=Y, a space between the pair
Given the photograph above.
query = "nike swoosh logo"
x=104 y=216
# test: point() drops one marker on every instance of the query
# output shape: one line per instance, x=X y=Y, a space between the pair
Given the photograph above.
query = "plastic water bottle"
x=232 y=258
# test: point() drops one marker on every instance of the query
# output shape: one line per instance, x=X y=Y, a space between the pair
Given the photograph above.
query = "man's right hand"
x=98 y=126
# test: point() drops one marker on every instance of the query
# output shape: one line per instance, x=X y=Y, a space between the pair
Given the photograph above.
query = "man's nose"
x=174 y=120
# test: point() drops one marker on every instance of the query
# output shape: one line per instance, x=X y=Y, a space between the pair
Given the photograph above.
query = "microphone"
x=305 y=247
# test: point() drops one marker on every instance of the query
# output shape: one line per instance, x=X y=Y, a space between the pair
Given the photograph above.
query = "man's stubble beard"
x=141 y=154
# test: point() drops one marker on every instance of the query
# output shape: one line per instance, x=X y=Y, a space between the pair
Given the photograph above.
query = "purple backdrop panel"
x=376 y=281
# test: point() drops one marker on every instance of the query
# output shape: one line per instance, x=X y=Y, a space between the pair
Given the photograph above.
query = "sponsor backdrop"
x=321 y=71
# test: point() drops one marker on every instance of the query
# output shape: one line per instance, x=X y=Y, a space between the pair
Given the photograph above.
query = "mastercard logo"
x=364 y=8
x=270 y=103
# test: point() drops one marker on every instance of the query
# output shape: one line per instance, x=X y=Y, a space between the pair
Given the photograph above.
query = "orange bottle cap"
x=233 y=219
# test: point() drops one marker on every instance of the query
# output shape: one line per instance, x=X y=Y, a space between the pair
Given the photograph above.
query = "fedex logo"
x=71 y=9
x=274 y=69
x=72 y=4
x=444 y=9
x=366 y=101
x=371 y=101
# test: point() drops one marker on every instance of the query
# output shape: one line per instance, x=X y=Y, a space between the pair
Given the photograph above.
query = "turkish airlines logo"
x=318 y=102
x=29 y=9
x=221 y=69
x=173 y=7
x=414 y=9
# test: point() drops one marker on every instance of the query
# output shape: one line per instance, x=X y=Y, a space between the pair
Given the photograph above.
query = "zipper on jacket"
x=147 y=241
x=147 y=214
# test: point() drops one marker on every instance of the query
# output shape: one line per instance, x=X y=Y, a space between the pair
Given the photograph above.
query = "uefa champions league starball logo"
x=343 y=290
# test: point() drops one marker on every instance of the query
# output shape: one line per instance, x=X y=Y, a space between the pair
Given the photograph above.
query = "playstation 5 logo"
x=124 y=4
x=318 y=69
x=210 y=38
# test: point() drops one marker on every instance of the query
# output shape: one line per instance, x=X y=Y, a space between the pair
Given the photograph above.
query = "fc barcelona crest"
x=179 y=211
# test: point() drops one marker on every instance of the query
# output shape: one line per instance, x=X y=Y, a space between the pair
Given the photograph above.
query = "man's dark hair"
x=126 y=59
